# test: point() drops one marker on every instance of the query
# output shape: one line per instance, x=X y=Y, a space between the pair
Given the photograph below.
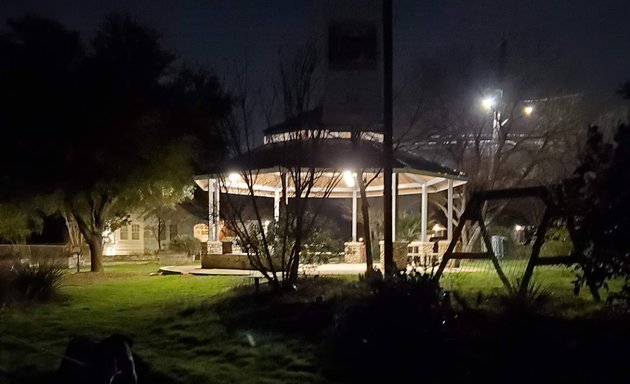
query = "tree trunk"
x=161 y=226
x=96 y=251
x=74 y=233
x=295 y=253
x=93 y=234
x=365 y=213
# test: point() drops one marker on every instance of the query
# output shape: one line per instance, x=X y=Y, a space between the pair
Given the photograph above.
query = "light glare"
x=488 y=102
x=348 y=178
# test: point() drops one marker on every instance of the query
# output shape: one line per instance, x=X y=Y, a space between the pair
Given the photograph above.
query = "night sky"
x=593 y=35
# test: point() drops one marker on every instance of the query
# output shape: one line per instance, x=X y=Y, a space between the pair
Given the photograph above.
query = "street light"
x=492 y=101
x=528 y=110
x=348 y=178
x=234 y=177
x=488 y=103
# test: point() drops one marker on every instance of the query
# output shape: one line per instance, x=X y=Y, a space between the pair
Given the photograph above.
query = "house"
x=139 y=236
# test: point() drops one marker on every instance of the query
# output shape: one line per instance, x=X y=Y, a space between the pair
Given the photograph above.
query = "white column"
x=210 y=210
x=354 y=215
x=394 y=193
x=424 y=208
x=449 y=218
x=286 y=183
x=276 y=205
x=217 y=210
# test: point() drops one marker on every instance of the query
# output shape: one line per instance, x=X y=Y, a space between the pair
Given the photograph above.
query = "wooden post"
x=533 y=258
x=493 y=257
x=471 y=208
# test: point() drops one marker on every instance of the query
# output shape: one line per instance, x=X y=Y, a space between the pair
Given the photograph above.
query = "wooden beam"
x=471 y=209
x=493 y=257
x=540 y=239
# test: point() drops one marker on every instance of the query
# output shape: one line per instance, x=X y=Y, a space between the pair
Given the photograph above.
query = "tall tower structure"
x=353 y=96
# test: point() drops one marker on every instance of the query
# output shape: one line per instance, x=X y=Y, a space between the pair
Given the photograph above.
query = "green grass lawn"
x=153 y=311
x=556 y=280
x=184 y=335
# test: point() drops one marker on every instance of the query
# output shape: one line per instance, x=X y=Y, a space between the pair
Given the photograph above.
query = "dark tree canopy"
x=598 y=209
x=102 y=125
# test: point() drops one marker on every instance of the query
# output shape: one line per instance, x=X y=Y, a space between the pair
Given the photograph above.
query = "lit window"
x=172 y=230
x=135 y=232
x=124 y=233
x=201 y=232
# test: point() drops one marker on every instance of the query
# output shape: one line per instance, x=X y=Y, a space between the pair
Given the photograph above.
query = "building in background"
x=139 y=235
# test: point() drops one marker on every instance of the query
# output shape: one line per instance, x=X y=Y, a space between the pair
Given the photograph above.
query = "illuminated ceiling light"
x=348 y=178
x=528 y=110
x=488 y=103
x=234 y=177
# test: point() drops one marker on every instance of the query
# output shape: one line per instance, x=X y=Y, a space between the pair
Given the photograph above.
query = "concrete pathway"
x=311 y=270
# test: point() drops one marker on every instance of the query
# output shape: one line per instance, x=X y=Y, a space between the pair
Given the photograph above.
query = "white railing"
x=35 y=253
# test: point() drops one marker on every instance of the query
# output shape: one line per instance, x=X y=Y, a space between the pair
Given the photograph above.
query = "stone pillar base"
x=400 y=255
x=354 y=252
x=215 y=248
x=226 y=262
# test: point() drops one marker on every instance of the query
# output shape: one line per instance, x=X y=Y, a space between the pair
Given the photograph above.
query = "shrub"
x=6 y=278
x=187 y=244
x=400 y=323
x=26 y=283
x=39 y=282
x=598 y=213
x=533 y=301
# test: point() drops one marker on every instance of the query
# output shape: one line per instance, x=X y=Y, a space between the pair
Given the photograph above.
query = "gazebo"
x=304 y=141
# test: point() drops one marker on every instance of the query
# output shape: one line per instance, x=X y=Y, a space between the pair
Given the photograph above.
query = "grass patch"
x=558 y=280
x=215 y=329
x=125 y=299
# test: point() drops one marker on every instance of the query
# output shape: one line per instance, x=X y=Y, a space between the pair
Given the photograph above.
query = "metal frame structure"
x=473 y=213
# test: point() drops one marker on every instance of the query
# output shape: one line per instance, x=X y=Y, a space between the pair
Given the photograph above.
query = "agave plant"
x=531 y=301
x=36 y=282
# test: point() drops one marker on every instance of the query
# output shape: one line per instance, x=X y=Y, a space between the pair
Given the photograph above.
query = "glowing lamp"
x=488 y=103
x=234 y=177
x=348 y=178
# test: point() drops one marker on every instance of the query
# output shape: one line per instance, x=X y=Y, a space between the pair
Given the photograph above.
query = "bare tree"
x=276 y=248
x=160 y=206
x=505 y=123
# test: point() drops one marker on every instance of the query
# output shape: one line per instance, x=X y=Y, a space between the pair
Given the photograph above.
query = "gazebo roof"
x=312 y=119
x=332 y=156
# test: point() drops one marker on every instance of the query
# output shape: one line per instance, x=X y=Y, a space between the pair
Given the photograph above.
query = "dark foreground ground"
x=218 y=330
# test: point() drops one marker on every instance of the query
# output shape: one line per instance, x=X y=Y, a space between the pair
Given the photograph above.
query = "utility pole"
x=387 y=137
